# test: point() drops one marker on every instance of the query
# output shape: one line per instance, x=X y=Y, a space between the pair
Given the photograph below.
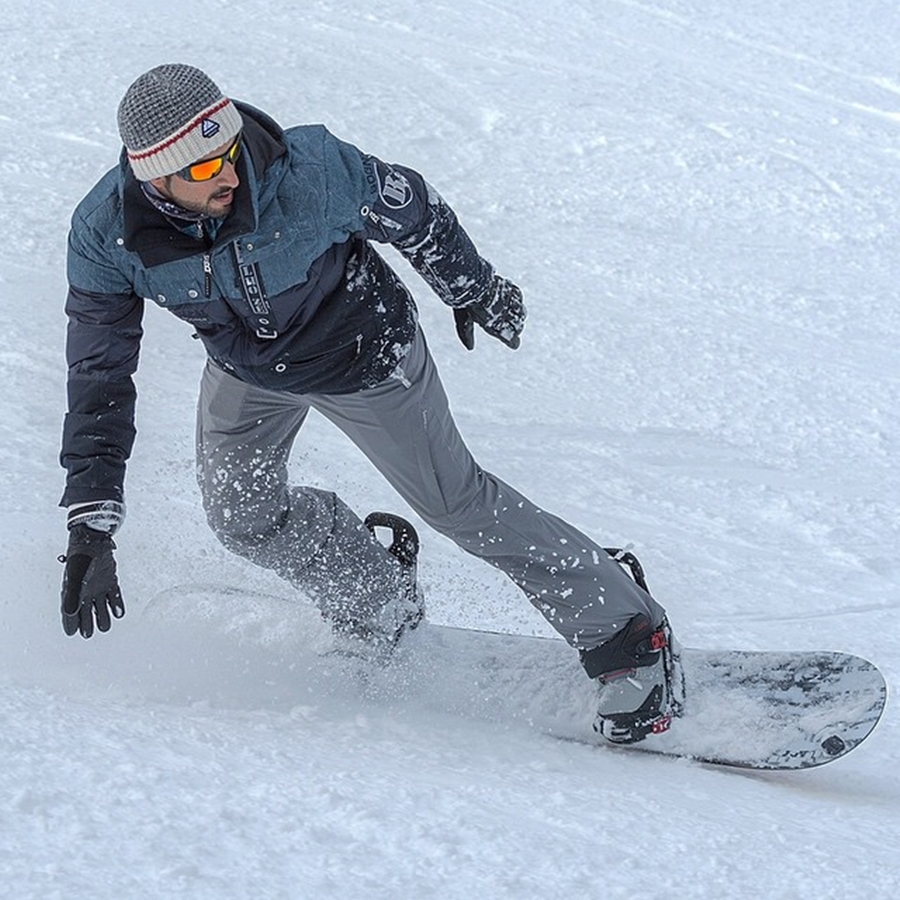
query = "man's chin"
x=220 y=206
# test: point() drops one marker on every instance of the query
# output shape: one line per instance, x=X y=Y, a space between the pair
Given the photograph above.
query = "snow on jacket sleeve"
x=444 y=255
x=102 y=347
x=409 y=213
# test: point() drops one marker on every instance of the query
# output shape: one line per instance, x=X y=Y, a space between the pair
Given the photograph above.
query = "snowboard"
x=749 y=709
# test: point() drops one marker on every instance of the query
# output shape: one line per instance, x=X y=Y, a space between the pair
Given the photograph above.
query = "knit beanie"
x=171 y=117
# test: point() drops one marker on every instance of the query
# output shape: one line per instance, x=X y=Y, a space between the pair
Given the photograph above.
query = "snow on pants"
x=404 y=426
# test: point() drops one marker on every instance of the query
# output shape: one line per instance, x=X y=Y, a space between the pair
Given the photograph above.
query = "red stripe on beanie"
x=145 y=154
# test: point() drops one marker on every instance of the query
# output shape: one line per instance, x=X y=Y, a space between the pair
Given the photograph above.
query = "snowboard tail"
x=774 y=710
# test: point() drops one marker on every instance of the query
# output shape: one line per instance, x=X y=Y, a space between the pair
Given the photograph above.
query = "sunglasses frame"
x=232 y=154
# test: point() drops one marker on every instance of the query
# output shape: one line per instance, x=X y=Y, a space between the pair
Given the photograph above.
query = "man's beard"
x=195 y=209
x=206 y=209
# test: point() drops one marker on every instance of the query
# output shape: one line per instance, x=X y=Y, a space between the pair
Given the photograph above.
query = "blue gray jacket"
x=288 y=295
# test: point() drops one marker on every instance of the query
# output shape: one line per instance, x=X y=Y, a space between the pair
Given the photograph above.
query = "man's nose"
x=228 y=177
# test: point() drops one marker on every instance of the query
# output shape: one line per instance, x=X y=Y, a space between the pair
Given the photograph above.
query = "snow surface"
x=700 y=201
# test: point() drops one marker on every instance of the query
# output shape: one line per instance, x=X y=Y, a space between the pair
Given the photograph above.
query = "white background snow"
x=701 y=203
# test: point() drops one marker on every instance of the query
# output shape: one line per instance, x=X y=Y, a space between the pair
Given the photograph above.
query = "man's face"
x=210 y=198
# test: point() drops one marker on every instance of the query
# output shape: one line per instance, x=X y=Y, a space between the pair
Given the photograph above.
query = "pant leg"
x=405 y=427
x=310 y=537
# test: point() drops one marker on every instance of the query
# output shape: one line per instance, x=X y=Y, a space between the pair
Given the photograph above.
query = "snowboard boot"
x=641 y=683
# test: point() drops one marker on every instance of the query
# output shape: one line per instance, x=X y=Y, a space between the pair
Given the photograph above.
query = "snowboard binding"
x=404 y=545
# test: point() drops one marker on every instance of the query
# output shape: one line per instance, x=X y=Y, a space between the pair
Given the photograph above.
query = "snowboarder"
x=261 y=239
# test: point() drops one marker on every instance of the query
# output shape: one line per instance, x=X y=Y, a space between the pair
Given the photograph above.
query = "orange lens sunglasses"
x=208 y=168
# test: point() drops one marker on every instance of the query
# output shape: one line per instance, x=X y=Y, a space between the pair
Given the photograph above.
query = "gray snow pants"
x=405 y=427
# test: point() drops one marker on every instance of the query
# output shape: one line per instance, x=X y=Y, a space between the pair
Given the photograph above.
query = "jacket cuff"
x=102 y=515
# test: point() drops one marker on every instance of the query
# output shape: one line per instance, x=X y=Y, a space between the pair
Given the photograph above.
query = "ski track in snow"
x=701 y=207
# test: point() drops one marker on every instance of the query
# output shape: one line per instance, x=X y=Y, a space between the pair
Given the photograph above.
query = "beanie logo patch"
x=209 y=128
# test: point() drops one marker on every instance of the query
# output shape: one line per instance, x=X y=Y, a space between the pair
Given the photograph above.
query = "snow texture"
x=700 y=203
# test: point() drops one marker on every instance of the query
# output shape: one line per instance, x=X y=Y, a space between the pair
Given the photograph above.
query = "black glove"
x=90 y=588
x=500 y=312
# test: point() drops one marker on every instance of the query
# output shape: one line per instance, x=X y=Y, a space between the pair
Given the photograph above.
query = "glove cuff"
x=101 y=515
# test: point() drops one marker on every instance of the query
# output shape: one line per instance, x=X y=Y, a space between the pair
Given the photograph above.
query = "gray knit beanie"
x=171 y=117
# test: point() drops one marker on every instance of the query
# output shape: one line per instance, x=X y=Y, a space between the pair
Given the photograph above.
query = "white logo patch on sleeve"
x=394 y=188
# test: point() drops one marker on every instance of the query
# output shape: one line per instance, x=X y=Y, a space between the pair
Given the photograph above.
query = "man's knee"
x=295 y=520
x=241 y=501
x=469 y=510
